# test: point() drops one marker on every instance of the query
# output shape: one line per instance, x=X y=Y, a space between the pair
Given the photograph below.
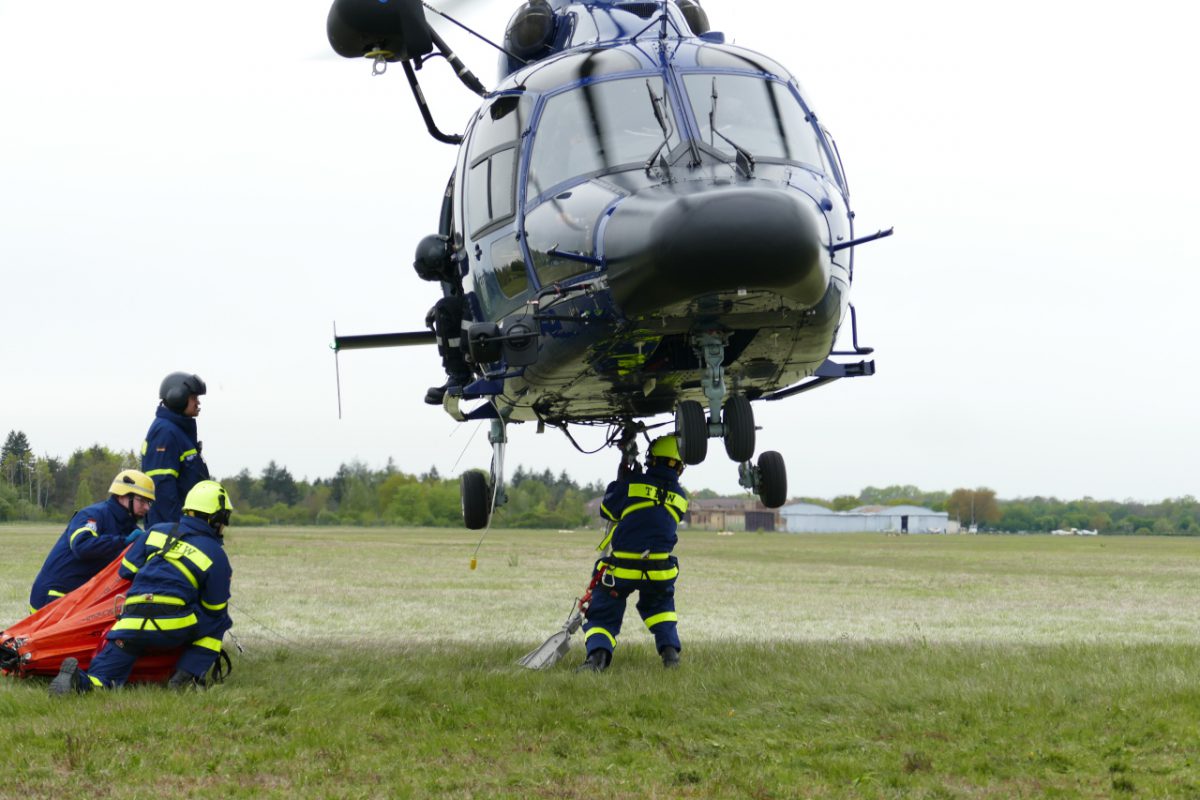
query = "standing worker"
x=171 y=452
x=646 y=510
x=93 y=538
x=179 y=596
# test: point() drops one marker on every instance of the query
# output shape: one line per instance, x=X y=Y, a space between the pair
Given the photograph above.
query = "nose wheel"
x=691 y=428
x=738 y=422
x=736 y=428
x=730 y=416
x=731 y=419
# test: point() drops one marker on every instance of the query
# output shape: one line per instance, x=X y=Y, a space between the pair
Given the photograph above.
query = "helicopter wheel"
x=739 y=428
x=476 y=500
x=691 y=427
x=772 y=479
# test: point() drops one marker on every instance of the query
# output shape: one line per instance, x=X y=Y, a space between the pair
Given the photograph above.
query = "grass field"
x=378 y=664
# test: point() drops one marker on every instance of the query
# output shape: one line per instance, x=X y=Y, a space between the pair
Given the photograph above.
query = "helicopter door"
x=497 y=264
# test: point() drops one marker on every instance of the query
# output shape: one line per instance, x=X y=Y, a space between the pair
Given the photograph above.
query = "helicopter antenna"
x=337 y=371
x=474 y=33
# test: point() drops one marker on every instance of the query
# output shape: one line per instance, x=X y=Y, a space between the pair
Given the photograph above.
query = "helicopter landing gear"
x=482 y=495
x=768 y=479
x=692 y=429
x=476 y=500
x=733 y=421
x=738 y=419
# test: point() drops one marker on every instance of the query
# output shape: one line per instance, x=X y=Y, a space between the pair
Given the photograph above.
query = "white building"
x=809 y=518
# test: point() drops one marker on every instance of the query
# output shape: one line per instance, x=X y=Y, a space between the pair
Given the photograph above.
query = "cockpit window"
x=758 y=115
x=600 y=127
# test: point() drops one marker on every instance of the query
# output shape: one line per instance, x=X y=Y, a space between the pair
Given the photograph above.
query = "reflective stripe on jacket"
x=185 y=561
x=171 y=457
x=647 y=511
x=92 y=539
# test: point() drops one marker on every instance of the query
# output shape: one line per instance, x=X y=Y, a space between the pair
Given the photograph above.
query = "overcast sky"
x=205 y=187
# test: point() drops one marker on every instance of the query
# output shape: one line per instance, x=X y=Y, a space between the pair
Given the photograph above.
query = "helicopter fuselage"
x=638 y=193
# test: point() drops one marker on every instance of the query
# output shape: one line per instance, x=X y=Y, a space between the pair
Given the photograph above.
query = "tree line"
x=45 y=488
x=35 y=488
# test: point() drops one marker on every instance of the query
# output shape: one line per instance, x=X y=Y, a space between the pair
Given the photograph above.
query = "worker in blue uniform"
x=645 y=511
x=93 y=538
x=179 y=596
x=171 y=453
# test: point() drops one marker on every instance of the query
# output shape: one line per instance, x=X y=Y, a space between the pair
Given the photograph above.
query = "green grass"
x=379 y=665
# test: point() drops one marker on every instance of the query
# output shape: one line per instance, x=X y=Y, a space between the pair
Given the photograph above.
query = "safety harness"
x=645 y=566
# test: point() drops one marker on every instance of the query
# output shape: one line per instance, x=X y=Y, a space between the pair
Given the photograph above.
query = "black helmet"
x=177 y=387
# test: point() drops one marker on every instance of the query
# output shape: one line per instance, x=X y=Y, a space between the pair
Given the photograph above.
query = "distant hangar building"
x=810 y=518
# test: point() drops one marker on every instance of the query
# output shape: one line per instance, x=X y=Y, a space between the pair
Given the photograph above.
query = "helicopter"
x=642 y=220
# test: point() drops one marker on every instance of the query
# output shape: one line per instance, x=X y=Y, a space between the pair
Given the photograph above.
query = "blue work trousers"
x=114 y=663
x=655 y=604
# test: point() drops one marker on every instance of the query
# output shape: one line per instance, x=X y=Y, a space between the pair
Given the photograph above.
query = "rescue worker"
x=435 y=262
x=93 y=538
x=179 y=596
x=171 y=453
x=445 y=319
x=646 y=510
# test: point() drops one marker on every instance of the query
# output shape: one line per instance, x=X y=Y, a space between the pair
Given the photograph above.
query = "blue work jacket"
x=194 y=569
x=171 y=457
x=93 y=538
x=647 y=509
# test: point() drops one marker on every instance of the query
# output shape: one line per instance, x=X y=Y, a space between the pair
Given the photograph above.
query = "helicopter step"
x=730 y=416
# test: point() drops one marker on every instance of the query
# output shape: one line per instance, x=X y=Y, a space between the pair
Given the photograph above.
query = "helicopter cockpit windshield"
x=753 y=113
x=601 y=127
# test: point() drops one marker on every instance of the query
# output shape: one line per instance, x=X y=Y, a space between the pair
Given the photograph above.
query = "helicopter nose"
x=666 y=250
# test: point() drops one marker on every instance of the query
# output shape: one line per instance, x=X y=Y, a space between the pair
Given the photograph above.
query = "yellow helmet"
x=130 y=481
x=665 y=447
x=210 y=499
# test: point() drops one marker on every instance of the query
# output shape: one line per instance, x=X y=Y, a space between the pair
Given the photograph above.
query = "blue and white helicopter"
x=643 y=221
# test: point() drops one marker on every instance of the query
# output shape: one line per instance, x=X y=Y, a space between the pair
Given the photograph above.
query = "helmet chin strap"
x=129 y=506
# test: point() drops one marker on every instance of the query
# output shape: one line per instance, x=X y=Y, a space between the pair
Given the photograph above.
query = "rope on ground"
x=264 y=626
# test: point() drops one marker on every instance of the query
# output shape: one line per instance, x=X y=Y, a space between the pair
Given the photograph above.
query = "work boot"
x=670 y=657
x=454 y=384
x=69 y=679
x=183 y=680
x=435 y=394
x=597 y=661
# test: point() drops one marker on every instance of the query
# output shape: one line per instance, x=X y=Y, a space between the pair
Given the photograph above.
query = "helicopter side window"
x=492 y=156
x=499 y=124
x=490 y=188
x=600 y=127
x=837 y=157
x=759 y=115
x=509 y=264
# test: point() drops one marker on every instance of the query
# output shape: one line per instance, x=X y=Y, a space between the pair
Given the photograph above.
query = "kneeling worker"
x=93 y=538
x=179 y=596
